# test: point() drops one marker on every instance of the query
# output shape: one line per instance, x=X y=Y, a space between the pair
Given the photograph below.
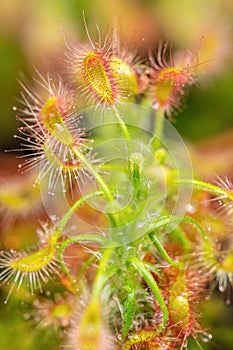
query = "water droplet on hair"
x=37 y=319
x=221 y=288
x=14 y=108
x=26 y=316
x=112 y=303
x=190 y=208
x=81 y=302
x=206 y=337
x=53 y=217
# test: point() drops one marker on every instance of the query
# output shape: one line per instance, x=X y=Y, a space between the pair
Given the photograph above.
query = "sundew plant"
x=131 y=257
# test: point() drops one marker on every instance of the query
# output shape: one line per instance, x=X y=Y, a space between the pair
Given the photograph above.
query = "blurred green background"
x=31 y=34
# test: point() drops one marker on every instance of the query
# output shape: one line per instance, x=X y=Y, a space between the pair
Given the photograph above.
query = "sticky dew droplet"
x=53 y=217
x=221 y=288
x=206 y=337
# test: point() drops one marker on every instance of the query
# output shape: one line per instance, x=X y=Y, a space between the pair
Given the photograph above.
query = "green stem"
x=95 y=174
x=86 y=237
x=179 y=235
x=98 y=178
x=170 y=220
x=152 y=268
x=74 y=207
x=64 y=221
x=80 y=238
x=85 y=265
x=113 y=167
x=201 y=185
x=145 y=273
x=162 y=251
x=183 y=240
x=100 y=278
x=122 y=125
x=158 y=129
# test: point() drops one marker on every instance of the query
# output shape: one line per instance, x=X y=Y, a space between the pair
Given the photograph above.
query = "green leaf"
x=162 y=251
x=129 y=308
x=145 y=273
